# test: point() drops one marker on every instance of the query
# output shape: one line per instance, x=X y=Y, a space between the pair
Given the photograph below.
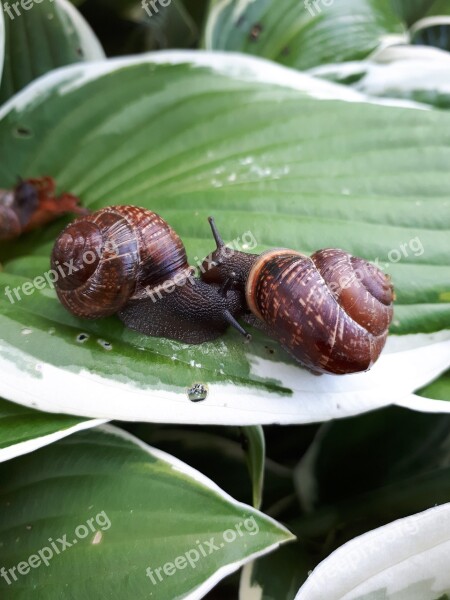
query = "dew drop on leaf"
x=197 y=392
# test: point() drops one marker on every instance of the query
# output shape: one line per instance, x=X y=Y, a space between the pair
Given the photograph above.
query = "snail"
x=128 y=261
x=330 y=311
x=31 y=204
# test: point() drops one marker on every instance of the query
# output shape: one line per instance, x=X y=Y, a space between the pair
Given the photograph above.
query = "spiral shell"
x=112 y=254
x=331 y=311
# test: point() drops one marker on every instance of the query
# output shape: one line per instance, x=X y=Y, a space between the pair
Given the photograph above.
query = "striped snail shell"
x=331 y=311
x=112 y=254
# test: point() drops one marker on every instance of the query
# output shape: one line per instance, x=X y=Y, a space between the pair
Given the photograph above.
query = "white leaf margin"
x=181 y=467
x=29 y=446
x=235 y=65
x=407 y=559
x=392 y=71
x=408 y=363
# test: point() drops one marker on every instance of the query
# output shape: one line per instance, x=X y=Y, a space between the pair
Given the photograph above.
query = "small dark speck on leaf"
x=240 y=21
x=255 y=32
x=80 y=52
x=22 y=132
x=286 y=51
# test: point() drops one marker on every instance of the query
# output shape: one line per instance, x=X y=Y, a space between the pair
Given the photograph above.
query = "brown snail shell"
x=331 y=311
x=114 y=253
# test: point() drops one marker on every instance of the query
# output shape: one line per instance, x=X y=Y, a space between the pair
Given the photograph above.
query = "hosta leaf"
x=49 y=34
x=255 y=450
x=405 y=560
x=414 y=455
x=301 y=34
x=411 y=11
x=2 y=44
x=129 y=508
x=439 y=389
x=275 y=166
x=218 y=453
x=432 y=31
x=406 y=72
x=278 y=575
x=25 y=430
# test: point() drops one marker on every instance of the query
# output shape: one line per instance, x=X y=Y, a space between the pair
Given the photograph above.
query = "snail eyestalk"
x=232 y=321
x=217 y=237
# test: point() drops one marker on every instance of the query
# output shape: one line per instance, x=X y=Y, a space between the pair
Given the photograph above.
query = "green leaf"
x=346 y=459
x=411 y=11
x=433 y=31
x=217 y=452
x=276 y=166
x=277 y=576
x=24 y=430
x=47 y=35
x=255 y=450
x=440 y=7
x=168 y=27
x=439 y=389
x=300 y=34
x=130 y=508
x=405 y=559
x=2 y=43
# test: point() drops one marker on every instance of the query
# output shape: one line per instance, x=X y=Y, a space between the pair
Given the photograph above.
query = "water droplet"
x=105 y=345
x=197 y=392
x=232 y=177
x=82 y=338
x=26 y=331
x=247 y=160
x=345 y=192
x=51 y=331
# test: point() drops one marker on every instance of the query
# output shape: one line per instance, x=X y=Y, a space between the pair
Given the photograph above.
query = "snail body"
x=128 y=261
x=331 y=311
x=31 y=204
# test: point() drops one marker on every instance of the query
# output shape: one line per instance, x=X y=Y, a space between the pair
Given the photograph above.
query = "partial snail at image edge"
x=31 y=204
x=138 y=269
